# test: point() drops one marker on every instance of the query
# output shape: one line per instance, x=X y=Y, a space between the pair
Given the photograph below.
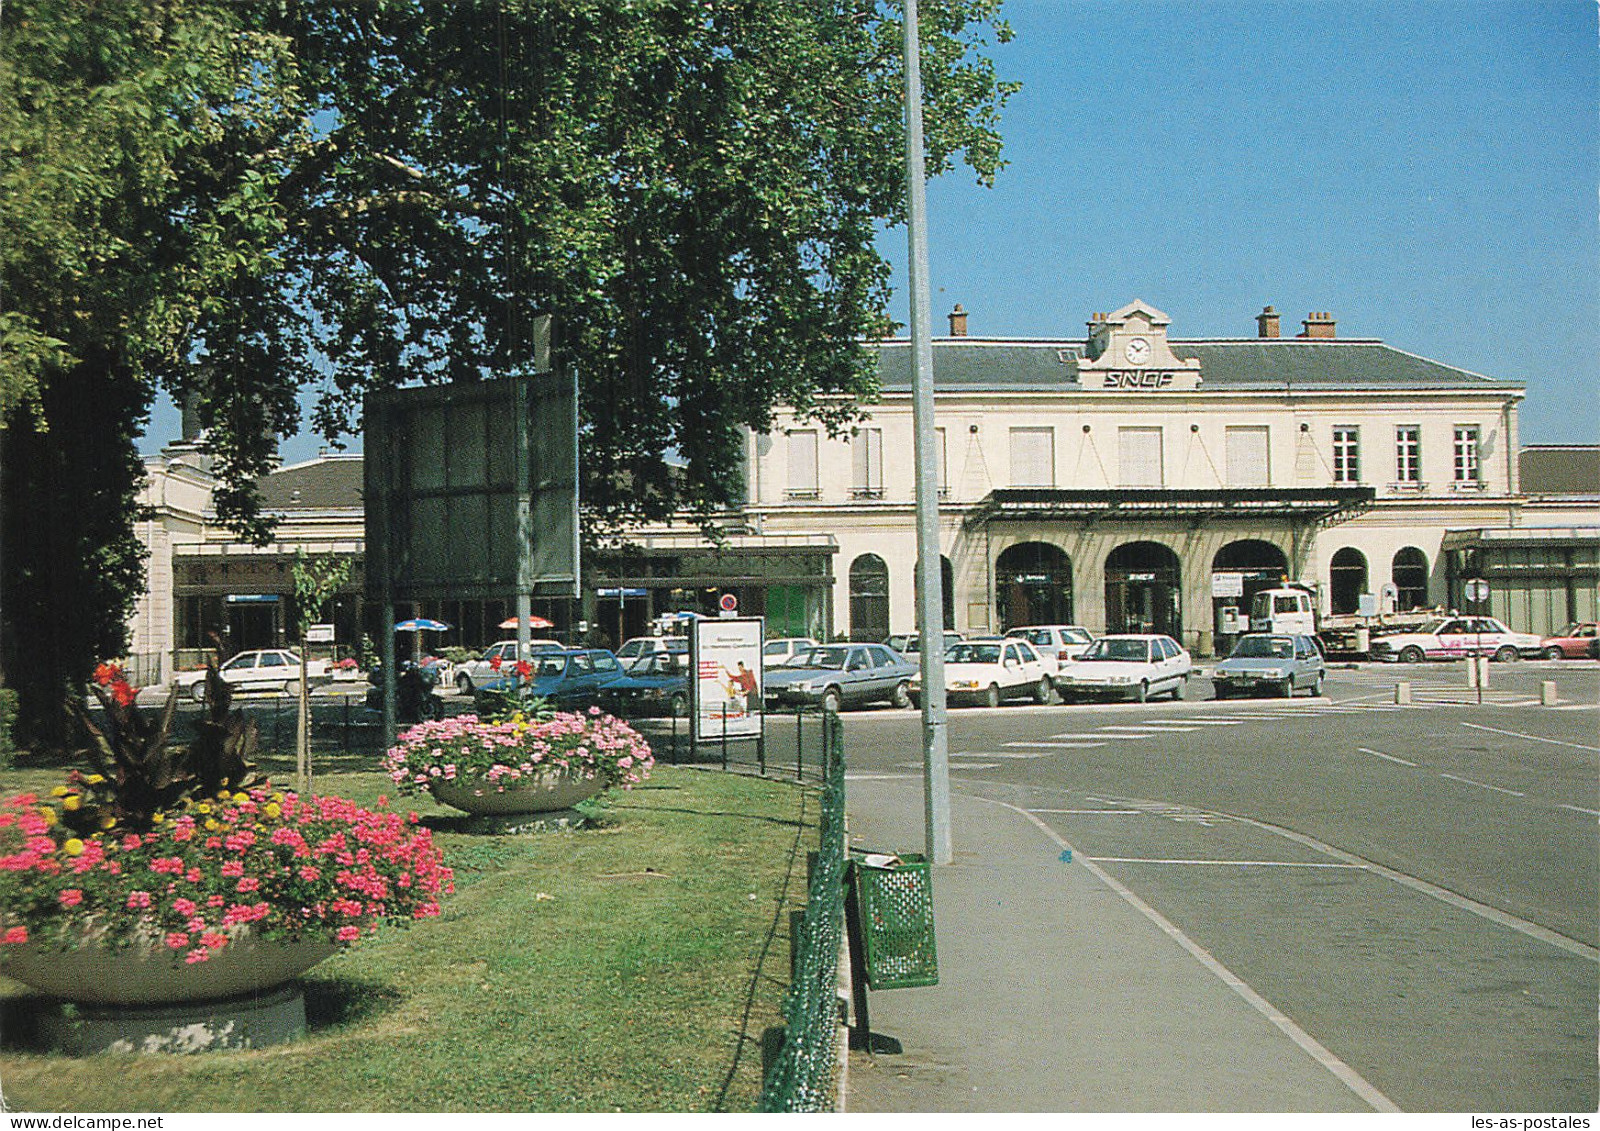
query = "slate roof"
x=324 y=483
x=1264 y=364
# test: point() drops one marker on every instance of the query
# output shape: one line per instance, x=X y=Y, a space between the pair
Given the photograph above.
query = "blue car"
x=656 y=683
x=572 y=680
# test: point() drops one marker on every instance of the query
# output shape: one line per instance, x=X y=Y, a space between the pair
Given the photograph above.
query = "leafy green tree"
x=139 y=142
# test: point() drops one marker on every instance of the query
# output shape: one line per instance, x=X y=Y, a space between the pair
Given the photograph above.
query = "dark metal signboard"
x=471 y=490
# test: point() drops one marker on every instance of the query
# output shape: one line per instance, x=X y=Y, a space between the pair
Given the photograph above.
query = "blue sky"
x=1425 y=171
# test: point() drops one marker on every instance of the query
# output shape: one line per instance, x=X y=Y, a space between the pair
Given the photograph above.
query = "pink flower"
x=177 y=940
x=233 y=869
x=138 y=900
x=347 y=934
x=249 y=883
x=184 y=907
x=15 y=935
x=70 y=897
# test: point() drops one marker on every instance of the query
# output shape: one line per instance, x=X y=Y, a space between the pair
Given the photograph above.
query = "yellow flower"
x=108 y=822
x=73 y=847
x=59 y=791
x=276 y=797
x=49 y=816
x=203 y=807
x=157 y=818
x=222 y=795
x=241 y=798
x=72 y=802
x=212 y=825
x=271 y=809
x=95 y=779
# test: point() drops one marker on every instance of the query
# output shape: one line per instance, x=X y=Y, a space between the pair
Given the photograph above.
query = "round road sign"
x=729 y=603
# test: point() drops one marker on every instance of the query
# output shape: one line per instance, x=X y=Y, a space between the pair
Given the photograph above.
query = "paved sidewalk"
x=1058 y=994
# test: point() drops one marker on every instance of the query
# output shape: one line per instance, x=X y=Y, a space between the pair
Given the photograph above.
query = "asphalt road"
x=1418 y=887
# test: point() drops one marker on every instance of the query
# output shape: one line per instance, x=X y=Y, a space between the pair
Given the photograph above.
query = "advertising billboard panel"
x=728 y=677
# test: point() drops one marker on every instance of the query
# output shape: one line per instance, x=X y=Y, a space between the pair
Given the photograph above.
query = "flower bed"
x=502 y=755
x=283 y=866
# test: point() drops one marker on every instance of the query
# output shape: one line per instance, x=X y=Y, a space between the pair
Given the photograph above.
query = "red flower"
x=495 y=662
x=122 y=693
x=524 y=669
x=107 y=674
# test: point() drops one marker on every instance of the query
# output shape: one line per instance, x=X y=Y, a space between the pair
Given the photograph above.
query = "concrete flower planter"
x=546 y=793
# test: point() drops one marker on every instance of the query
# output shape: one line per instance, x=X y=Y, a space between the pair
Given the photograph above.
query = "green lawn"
x=632 y=967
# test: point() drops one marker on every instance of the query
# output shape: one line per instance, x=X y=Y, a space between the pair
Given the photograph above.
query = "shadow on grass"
x=19 y=1021
x=332 y=1003
x=801 y=823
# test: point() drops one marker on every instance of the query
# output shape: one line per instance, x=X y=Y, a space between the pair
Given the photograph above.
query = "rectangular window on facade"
x=1408 y=454
x=1033 y=457
x=1466 y=455
x=1139 y=457
x=802 y=464
x=866 y=454
x=1347 y=455
x=941 y=463
x=1248 y=462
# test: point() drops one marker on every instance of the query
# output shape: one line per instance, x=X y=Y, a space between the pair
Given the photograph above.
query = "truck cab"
x=1287 y=611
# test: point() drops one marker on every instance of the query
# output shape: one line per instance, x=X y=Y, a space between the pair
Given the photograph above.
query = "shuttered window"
x=802 y=464
x=1033 y=457
x=1248 y=464
x=1139 y=457
x=942 y=462
x=866 y=453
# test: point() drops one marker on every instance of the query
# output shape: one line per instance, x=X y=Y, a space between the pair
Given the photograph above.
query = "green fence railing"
x=805 y=1075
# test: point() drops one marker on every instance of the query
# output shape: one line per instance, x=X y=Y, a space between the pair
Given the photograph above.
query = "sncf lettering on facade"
x=1138 y=379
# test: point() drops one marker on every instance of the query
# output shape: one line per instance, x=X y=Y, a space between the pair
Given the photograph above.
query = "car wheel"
x=1222 y=691
x=1177 y=690
x=1286 y=688
x=197 y=691
x=902 y=694
x=1507 y=655
x=1041 y=693
x=991 y=697
x=1554 y=653
x=1411 y=654
x=1141 y=694
x=916 y=700
x=832 y=701
x=464 y=683
x=1316 y=686
x=291 y=687
x=680 y=705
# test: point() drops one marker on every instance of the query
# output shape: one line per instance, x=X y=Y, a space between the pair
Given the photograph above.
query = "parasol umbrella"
x=533 y=622
x=421 y=624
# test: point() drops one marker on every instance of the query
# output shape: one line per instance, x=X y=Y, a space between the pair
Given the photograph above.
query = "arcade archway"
x=1032 y=585
x=1143 y=590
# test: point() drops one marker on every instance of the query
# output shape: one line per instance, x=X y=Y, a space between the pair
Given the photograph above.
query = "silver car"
x=836 y=675
x=1273 y=662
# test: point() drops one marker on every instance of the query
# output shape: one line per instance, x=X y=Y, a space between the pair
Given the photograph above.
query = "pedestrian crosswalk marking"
x=1067 y=745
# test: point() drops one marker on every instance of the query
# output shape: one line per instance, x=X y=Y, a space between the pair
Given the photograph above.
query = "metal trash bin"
x=895 y=898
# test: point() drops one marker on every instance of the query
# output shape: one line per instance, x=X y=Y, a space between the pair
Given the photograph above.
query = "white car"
x=476 y=673
x=1131 y=666
x=990 y=672
x=1454 y=638
x=1058 y=642
x=264 y=669
x=779 y=650
x=645 y=645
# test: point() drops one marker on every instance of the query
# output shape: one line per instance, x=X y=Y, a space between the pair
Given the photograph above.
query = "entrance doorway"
x=1032 y=585
x=1347 y=580
x=1239 y=571
x=1142 y=590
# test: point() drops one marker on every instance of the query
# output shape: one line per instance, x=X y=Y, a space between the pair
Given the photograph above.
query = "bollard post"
x=1483 y=672
x=1547 y=693
x=799 y=750
x=724 y=736
x=1472 y=672
x=1402 y=693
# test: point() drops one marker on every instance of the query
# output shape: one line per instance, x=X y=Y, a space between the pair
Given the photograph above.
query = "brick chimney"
x=958 y=322
x=1318 y=324
x=1267 y=323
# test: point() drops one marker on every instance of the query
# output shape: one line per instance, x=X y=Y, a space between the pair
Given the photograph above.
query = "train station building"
x=1121 y=478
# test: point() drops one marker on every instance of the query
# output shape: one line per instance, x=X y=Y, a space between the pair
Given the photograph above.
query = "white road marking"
x=1081 y=745
x=1093 y=812
x=1309 y=1044
x=1228 y=863
x=1212 y=722
x=1532 y=737
x=1381 y=754
x=1580 y=809
x=1482 y=785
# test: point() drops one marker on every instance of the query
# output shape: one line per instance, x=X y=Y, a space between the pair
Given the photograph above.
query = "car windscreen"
x=1279 y=647
x=1119 y=651
x=1076 y=635
x=820 y=658
x=972 y=654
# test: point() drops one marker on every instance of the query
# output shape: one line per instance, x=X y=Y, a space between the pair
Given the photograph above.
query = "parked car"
x=1277 y=662
x=910 y=643
x=1452 y=638
x=839 y=675
x=477 y=673
x=1135 y=666
x=572 y=679
x=1575 y=642
x=779 y=650
x=992 y=672
x=638 y=646
x=1058 y=642
x=656 y=683
x=264 y=669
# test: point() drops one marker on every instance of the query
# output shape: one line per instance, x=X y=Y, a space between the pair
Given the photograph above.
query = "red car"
x=1575 y=642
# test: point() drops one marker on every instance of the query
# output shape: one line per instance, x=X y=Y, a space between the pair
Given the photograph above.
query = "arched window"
x=869 y=598
x=1410 y=575
x=1347 y=580
x=1032 y=585
x=1143 y=591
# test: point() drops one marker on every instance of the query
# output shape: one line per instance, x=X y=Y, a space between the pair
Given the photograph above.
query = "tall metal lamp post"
x=930 y=580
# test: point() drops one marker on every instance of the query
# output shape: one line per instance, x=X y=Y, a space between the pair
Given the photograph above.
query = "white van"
x=1285 y=611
